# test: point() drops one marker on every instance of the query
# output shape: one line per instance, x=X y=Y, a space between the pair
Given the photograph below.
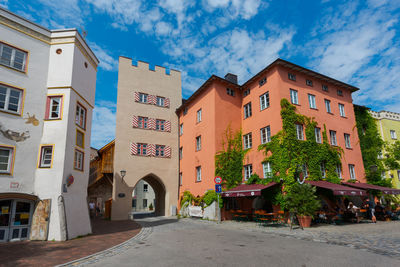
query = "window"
x=198 y=174
x=133 y=203
x=265 y=134
x=10 y=99
x=246 y=92
x=54 y=107
x=262 y=81
x=185 y=110
x=198 y=143
x=340 y=92
x=143 y=97
x=347 y=140
x=323 y=170
x=304 y=170
x=80 y=116
x=181 y=129
x=80 y=139
x=341 y=110
x=160 y=101
x=352 y=172
x=160 y=125
x=230 y=91
x=142 y=149
x=393 y=134
x=160 y=151
x=339 y=171
x=325 y=88
x=299 y=132
x=264 y=101
x=311 y=100
x=247 y=141
x=78 y=160
x=292 y=76
x=12 y=57
x=333 y=138
x=247 y=110
x=6 y=159
x=248 y=171
x=309 y=83
x=143 y=122
x=145 y=188
x=318 y=138
x=199 y=115
x=293 y=97
x=267 y=170
x=328 y=106
x=144 y=203
x=180 y=152
x=180 y=178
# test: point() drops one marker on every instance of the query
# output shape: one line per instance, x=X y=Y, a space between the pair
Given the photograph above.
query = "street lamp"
x=123 y=173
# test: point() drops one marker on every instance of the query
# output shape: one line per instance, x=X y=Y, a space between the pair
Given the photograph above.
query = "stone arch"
x=159 y=190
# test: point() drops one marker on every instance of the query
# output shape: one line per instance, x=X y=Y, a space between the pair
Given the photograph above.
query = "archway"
x=150 y=190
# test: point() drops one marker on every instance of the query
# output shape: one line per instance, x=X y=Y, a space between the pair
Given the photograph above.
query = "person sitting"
x=355 y=211
x=370 y=205
x=380 y=211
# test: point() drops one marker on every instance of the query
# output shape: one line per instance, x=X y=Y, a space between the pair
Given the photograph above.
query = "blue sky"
x=357 y=42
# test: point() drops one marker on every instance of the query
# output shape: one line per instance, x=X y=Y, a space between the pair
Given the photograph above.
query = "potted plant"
x=151 y=206
x=302 y=201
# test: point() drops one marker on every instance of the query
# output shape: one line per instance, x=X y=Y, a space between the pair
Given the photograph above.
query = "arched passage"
x=159 y=193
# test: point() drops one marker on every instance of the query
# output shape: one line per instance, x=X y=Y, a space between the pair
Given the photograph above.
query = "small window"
x=230 y=91
x=265 y=134
x=160 y=125
x=80 y=139
x=198 y=173
x=292 y=76
x=352 y=172
x=10 y=99
x=262 y=81
x=180 y=152
x=160 y=101
x=247 y=110
x=53 y=110
x=267 y=170
x=311 y=100
x=248 y=171
x=309 y=82
x=323 y=170
x=13 y=57
x=80 y=116
x=199 y=115
x=393 y=134
x=144 y=203
x=246 y=92
x=299 y=132
x=264 y=101
x=328 y=106
x=339 y=171
x=145 y=188
x=160 y=151
x=333 y=138
x=46 y=155
x=198 y=143
x=142 y=149
x=247 y=141
x=185 y=110
x=340 y=92
x=6 y=159
x=341 y=110
x=78 y=160
x=181 y=129
x=143 y=122
x=325 y=88
x=347 y=140
x=294 y=97
x=143 y=98
x=318 y=138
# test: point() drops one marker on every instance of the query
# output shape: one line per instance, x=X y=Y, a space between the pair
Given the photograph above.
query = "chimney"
x=231 y=77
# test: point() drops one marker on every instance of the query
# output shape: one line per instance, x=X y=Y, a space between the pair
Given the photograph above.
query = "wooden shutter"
x=152 y=123
x=167 y=152
x=137 y=97
x=133 y=148
x=47 y=114
x=167 y=126
x=166 y=102
x=135 y=121
x=151 y=150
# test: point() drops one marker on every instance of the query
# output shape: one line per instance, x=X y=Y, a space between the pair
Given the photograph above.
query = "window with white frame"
x=341 y=110
x=333 y=138
x=80 y=139
x=247 y=141
x=318 y=138
x=248 y=171
x=292 y=76
x=267 y=169
x=347 y=140
x=80 y=116
x=78 y=160
x=328 y=106
x=247 y=110
x=265 y=134
x=160 y=125
x=144 y=203
x=6 y=159
x=339 y=171
x=264 y=101
x=199 y=115
x=393 y=134
x=160 y=151
x=145 y=188
x=143 y=97
x=198 y=143
x=309 y=82
x=304 y=170
x=142 y=149
x=299 y=132
x=294 y=97
x=323 y=170
x=352 y=172
x=311 y=100
x=198 y=173
x=13 y=57
x=54 y=108
x=160 y=101
x=181 y=129
x=143 y=122
x=10 y=99
x=180 y=152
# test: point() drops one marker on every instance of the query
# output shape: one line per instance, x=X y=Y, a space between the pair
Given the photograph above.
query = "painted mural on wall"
x=40 y=220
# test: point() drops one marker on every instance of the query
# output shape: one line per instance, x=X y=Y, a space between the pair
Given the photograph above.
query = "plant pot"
x=304 y=221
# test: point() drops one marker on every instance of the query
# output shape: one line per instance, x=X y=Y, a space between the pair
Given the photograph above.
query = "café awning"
x=337 y=189
x=247 y=190
x=384 y=190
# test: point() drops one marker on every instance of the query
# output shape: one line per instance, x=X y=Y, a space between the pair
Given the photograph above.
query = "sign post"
x=218 y=189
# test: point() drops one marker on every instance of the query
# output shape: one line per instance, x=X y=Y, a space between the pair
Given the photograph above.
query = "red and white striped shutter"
x=166 y=102
x=150 y=150
x=167 y=152
x=167 y=126
x=154 y=102
x=133 y=149
x=152 y=124
x=149 y=99
x=47 y=114
x=137 y=97
x=135 y=122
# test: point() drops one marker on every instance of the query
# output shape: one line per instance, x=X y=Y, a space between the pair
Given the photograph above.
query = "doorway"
x=15 y=219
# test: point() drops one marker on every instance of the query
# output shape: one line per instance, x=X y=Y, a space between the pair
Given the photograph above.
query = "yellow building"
x=389 y=127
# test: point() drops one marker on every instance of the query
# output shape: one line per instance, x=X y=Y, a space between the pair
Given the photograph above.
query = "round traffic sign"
x=218 y=180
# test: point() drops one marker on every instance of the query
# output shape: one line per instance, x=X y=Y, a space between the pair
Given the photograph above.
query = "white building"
x=47 y=92
x=143 y=197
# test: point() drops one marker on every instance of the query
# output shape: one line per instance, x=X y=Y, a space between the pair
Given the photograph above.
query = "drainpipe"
x=63 y=220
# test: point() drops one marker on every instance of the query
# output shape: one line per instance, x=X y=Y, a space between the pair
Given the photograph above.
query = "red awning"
x=385 y=190
x=337 y=189
x=247 y=190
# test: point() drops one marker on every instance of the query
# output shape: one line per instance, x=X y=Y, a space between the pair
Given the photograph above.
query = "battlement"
x=385 y=115
x=142 y=65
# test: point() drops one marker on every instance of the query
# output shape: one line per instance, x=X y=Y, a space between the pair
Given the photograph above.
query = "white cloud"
x=107 y=61
x=61 y=14
x=103 y=123
x=234 y=8
x=163 y=28
x=4 y=3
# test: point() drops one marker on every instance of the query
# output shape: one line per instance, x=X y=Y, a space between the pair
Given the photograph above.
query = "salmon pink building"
x=254 y=107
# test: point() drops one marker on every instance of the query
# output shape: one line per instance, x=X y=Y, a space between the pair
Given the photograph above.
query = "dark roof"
x=338 y=189
x=247 y=190
x=365 y=186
